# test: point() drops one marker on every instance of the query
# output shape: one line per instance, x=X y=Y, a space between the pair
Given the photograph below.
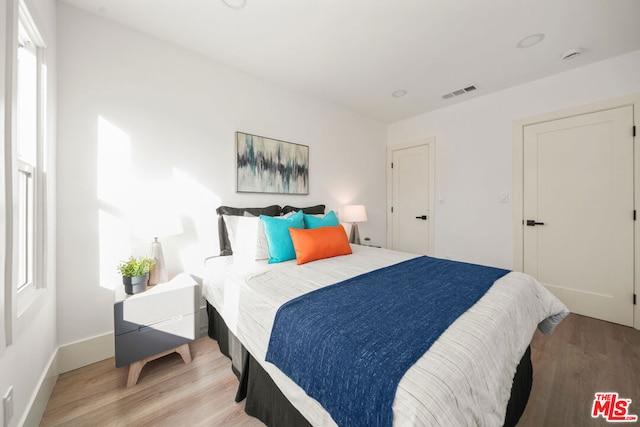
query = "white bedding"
x=464 y=379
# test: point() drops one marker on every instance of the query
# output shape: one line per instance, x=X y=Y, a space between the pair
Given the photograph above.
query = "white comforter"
x=464 y=379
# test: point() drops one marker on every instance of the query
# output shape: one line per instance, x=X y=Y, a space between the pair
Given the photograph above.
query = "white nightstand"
x=159 y=321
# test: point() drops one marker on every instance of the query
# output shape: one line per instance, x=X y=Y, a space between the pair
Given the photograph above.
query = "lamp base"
x=354 y=236
x=158 y=273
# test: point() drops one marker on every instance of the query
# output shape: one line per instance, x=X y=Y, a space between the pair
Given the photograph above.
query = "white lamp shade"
x=148 y=227
x=354 y=213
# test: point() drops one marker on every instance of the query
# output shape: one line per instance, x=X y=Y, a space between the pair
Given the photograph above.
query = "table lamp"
x=354 y=214
x=163 y=227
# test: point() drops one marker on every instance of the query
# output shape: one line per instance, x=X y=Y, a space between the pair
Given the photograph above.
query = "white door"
x=579 y=211
x=411 y=183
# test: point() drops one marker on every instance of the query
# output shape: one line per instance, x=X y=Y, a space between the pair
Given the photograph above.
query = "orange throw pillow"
x=318 y=243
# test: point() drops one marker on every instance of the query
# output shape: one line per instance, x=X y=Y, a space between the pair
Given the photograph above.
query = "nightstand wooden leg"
x=136 y=367
x=185 y=352
x=134 y=372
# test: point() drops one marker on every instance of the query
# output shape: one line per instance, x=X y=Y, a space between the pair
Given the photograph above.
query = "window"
x=26 y=236
x=27 y=96
x=28 y=176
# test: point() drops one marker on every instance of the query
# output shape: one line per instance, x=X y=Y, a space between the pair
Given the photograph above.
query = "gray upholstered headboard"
x=273 y=210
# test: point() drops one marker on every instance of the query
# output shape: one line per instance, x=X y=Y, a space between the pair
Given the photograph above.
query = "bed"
x=477 y=372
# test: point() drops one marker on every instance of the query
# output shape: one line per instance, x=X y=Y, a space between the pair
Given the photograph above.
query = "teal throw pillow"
x=278 y=237
x=329 y=220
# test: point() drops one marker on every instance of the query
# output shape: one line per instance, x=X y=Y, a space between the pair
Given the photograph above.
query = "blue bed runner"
x=348 y=345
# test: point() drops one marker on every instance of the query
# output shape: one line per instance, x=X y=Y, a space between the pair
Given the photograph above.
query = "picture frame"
x=267 y=165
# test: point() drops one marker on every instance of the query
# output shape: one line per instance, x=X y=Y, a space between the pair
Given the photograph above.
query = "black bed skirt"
x=265 y=401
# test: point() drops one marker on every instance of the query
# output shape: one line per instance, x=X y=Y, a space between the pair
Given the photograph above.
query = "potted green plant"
x=135 y=274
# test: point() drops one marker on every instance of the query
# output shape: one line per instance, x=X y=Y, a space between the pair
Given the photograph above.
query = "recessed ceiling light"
x=235 y=4
x=531 y=40
x=399 y=93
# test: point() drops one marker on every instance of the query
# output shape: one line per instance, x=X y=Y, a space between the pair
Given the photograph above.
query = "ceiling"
x=358 y=52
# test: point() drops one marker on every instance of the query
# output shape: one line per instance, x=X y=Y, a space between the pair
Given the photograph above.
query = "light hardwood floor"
x=583 y=356
x=168 y=393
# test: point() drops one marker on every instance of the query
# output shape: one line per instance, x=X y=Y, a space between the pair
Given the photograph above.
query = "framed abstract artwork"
x=265 y=165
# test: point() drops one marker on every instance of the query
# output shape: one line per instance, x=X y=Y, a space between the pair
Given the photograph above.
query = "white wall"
x=3 y=156
x=145 y=124
x=474 y=152
x=24 y=363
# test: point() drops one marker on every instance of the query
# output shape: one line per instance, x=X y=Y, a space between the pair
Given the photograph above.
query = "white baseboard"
x=82 y=353
x=33 y=415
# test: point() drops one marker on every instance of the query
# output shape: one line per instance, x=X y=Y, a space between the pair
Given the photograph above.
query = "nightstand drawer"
x=148 y=340
x=162 y=302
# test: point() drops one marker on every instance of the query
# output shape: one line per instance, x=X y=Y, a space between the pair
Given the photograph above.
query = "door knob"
x=422 y=217
x=533 y=223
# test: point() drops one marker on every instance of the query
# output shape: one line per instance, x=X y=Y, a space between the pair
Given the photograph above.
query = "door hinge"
x=634 y=214
x=634 y=299
x=391 y=165
x=391 y=209
x=634 y=130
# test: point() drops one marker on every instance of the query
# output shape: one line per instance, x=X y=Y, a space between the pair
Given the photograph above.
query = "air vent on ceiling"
x=571 y=53
x=459 y=92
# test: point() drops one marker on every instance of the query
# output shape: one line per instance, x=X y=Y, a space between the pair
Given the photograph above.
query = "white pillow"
x=247 y=237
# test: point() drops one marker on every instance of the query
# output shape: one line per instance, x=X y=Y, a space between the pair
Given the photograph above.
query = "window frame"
x=26 y=293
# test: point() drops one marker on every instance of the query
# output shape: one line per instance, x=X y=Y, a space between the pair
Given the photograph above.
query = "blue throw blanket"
x=349 y=344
